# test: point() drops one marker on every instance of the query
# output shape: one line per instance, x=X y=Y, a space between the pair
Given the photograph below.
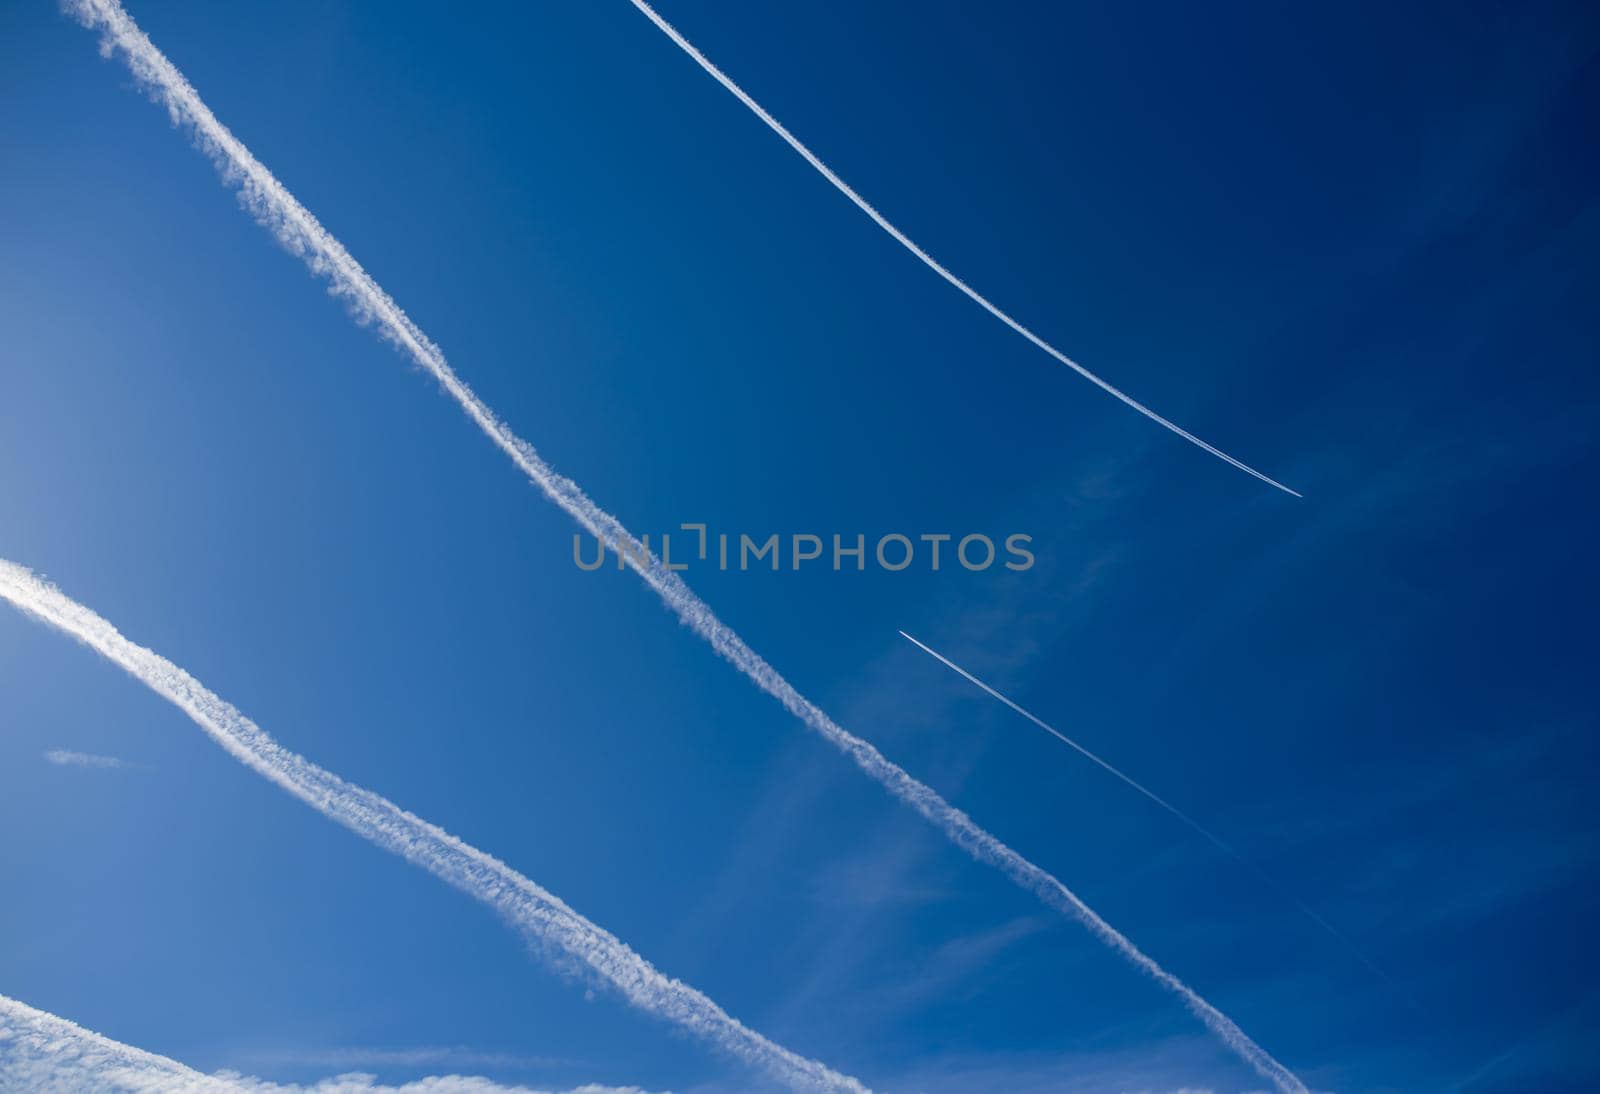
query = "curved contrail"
x=1215 y=841
x=300 y=232
x=928 y=260
x=541 y=916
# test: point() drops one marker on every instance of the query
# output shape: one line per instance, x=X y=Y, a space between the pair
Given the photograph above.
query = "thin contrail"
x=928 y=260
x=300 y=232
x=1214 y=840
x=541 y=916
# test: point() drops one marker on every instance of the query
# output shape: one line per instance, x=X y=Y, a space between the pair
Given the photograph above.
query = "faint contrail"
x=300 y=232
x=66 y=757
x=1215 y=841
x=541 y=916
x=928 y=260
x=40 y=1051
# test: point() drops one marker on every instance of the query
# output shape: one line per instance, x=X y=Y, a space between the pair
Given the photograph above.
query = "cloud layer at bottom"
x=42 y=1052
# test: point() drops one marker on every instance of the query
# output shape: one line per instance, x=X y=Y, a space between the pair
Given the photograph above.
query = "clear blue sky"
x=1355 y=247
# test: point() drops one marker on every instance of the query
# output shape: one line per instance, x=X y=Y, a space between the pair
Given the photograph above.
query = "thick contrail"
x=41 y=1052
x=300 y=232
x=928 y=260
x=1215 y=841
x=541 y=916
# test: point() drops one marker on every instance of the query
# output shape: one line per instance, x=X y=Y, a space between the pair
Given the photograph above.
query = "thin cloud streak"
x=65 y=757
x=43 y=1052
x=541 y=916
x=300 y=232
x=928 y=260
x=434 y=1056
x=1215 y=841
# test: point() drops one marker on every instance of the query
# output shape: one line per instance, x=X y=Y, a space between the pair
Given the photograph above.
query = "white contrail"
x=541 y=916
x=300 y=232
x=1069 y=742
x=41 y=1052
x=928 y=260
x=1214 y=840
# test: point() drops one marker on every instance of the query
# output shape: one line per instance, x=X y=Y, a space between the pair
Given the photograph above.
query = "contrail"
x=928 y=260
x=40 y=1051
x=300 y=232
x=1215 y=841
x=539 y=915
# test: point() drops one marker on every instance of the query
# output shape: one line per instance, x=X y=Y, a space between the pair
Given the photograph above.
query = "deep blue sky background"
x=1355 y=247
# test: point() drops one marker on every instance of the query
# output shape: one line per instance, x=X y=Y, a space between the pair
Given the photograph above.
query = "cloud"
x=559 y=932
x=65 y=757
x=303 y=235
x=959 y=959
x=1164 y=1066
x=44 y=1053
x=448 y=1056
x=359 y=1083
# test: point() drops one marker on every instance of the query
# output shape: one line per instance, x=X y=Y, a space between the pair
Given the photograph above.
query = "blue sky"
x=1354 y=248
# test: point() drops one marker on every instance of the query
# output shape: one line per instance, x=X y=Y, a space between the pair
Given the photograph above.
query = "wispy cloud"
x=928 y=260
x=1164 y=1066
x=541 y=916
x=358 y=1083
x=65 y=757
x=960 y=959
x=42 y=1052
x=300 y=232
x=453 y=1057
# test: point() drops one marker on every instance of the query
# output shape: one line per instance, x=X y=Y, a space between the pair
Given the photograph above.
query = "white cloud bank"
x=301 y=233
x=542 y=917
x=44 y=1054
